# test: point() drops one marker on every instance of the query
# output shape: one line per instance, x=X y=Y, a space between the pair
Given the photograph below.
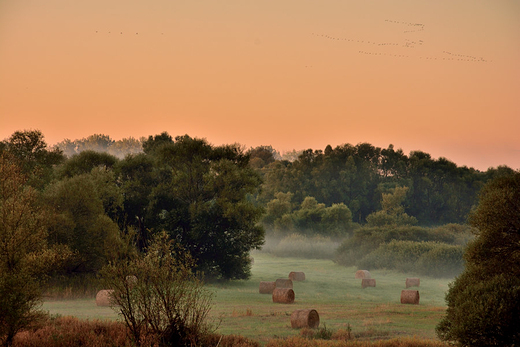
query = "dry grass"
x=299 y=341
x=70 y=331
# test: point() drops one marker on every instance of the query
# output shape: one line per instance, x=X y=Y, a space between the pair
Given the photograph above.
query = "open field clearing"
x=372 y=313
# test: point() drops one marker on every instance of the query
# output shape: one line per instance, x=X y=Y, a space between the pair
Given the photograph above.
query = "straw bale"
x=283 y=295
x=413 y=282
x=362 y=274
x=409 y=296
x=297 y=276
x=368 y=282
x=267 y=287
x=284 y=283
x=103 y=297
x=305 y=319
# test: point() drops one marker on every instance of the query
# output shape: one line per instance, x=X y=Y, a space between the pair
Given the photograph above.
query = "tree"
x=81 y=220
x=484 y=302
x=392 y=210
x=35 y=160
x=84 y=162
x=158 y=294
x=201 y=200
x=25 y=257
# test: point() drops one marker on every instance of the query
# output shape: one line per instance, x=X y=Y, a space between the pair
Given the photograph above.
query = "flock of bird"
x=406 y=43
x=417 y=26
x=120 y=33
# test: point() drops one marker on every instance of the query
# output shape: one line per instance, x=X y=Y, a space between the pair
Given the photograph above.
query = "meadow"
x=369 y=314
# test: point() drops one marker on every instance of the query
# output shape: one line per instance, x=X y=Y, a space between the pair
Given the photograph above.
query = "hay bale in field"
x=267 y=287
x=413 y=282
x=283 y=295
x=103 y=297
x=305 y=319
x=409 y=296
x=283 y=283
x=362 y=274
x=368 y=282
x=297 y=276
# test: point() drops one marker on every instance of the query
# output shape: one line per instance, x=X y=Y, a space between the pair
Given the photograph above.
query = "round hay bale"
x=283 y=295
x=409 y=296
x=103 y=297
x=297 y=276
x=362 y=274
x=267 y=287
x=413 y=282
x=131 y=281
x=283 y=283
x=305 y=319
x=368 y=282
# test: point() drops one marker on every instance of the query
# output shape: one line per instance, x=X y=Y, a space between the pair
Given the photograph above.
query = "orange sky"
x=439 y=76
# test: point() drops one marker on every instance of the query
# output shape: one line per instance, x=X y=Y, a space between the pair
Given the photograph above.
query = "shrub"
x=167 y=301
x=424 y=258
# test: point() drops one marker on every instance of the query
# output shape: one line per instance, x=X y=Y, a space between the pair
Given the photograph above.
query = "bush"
x=490 y=318
x=367 y=239
x=424 y=258
x=166 y=300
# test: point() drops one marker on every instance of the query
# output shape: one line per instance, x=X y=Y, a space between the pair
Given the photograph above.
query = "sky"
x=438 y=76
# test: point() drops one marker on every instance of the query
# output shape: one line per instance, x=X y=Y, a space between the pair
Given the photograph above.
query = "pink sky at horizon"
x=442 y=77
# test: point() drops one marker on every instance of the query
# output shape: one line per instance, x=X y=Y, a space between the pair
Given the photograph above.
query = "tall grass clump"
x=427 y=251
x=300 y=246
x=424 y=258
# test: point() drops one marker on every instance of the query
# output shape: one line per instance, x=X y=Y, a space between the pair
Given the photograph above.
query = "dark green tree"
x=81 y=221
x=137 y=176
x=201 y=200
x=484 y=302
x=84 y=162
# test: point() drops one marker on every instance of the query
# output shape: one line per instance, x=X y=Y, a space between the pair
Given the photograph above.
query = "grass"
x=371 y=313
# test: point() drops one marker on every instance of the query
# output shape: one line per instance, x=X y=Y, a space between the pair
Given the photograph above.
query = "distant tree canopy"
x=438 y=192
x=214 y=199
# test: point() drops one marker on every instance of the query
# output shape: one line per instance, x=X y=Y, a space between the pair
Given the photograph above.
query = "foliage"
x=84 y=162
x=33 y=157
x=366 y=239
x=392 y=210
x=165 y=300
x=312 y=218
x=81 y=221
x=424 y=258
x=439 y=192
x=201 y=200
x=484 y=302
x=25 y=257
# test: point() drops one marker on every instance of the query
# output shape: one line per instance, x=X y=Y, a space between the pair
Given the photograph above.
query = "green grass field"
x=372 y=313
